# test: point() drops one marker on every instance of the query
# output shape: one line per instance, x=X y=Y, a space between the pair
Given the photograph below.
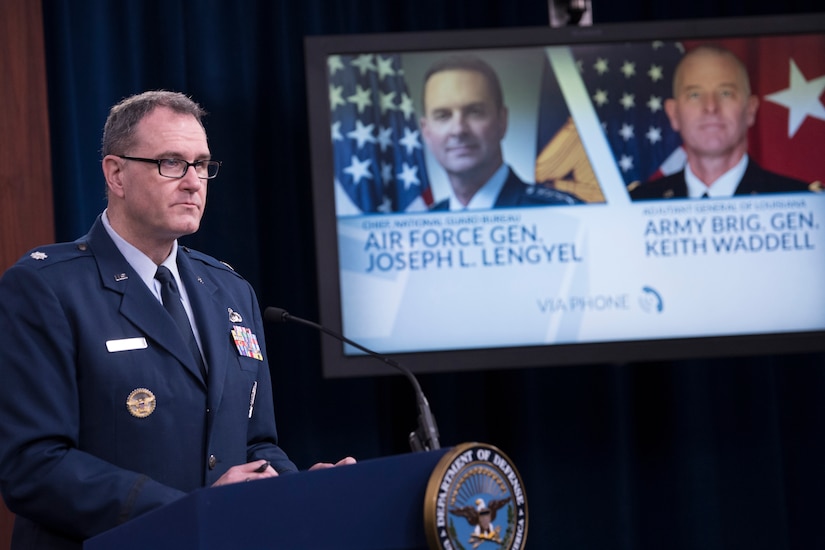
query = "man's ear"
x=752 y=107
x=425 y=131
x=113 y=173
x=670 y=110
x=502 y=117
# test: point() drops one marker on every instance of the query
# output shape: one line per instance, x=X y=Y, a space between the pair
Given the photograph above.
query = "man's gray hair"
x=119 y=130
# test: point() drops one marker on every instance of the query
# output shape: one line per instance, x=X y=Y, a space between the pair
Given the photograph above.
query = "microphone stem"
x=426 y=437
x=368 y=351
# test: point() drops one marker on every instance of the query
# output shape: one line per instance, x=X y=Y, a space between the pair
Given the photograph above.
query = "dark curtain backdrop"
x=722 y=453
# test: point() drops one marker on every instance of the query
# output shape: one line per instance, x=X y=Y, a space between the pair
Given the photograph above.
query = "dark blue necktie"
x=171 y=302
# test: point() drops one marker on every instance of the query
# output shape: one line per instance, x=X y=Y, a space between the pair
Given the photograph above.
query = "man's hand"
x=342 y=462
x=260 y=469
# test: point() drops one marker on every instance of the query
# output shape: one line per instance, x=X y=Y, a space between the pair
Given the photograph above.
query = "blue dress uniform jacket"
x=518 y=193
x=73 y=457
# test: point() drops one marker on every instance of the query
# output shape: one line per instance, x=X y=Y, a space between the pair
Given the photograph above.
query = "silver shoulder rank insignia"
x=121 y=277
x=234 y=316
x=141 y=403
x=39 y=255
x=475 y=495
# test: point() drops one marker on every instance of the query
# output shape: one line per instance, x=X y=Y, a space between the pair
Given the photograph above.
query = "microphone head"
x=275 y=315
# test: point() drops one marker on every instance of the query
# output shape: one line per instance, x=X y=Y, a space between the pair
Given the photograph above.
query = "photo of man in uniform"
x=464 y=122
x=712 y=109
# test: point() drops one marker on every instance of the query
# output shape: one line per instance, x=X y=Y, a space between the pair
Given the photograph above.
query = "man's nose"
x=711 y=103
x=458 y=124
x=190 y=179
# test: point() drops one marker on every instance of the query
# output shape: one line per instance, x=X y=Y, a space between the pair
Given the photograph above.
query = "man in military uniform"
x=134 y=370
x=464 y=121
x=712 y=108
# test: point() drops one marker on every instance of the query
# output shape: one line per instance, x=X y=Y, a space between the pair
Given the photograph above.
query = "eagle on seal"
x=473 y=513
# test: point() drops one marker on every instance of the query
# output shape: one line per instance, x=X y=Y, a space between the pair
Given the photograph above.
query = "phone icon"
x=650 y=300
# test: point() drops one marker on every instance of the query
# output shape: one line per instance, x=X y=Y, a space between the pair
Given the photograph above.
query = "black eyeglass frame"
x=206 y=163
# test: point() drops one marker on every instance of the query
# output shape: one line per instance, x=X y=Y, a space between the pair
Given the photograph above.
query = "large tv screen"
x=538 y=197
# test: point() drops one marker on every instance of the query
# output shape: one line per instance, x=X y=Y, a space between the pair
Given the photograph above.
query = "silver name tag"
x=126 y=344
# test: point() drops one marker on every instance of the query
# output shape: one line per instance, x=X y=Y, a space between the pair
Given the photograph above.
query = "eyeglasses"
x=176 y=168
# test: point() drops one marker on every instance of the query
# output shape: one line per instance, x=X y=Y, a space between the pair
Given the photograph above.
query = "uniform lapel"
x=138 y=304
x=212 y=318
x=749 y=184
x=509 y=194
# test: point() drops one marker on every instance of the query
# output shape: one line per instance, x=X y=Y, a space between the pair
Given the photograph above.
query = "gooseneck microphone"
x=425 y=437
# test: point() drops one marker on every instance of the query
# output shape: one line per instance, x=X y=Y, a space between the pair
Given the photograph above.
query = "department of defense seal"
x=475 y=499
x=141 y=403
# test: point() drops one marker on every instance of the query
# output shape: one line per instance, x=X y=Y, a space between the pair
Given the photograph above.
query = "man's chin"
x=187 y=227
x=722 y=151
x=461 y=166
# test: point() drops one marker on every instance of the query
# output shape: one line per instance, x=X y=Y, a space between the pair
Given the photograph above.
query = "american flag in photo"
x=627 y=85
x=377 y=146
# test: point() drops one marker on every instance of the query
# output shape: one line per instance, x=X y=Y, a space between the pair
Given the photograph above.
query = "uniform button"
x=212 y=462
